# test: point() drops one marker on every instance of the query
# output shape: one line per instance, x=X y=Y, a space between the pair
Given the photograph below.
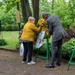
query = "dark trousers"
x=57 y=44
x=28 y=48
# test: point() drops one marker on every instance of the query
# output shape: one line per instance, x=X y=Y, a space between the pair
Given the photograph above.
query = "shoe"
x=58 y=64
x=23 y=62
x=30 y=63
x=49 y=66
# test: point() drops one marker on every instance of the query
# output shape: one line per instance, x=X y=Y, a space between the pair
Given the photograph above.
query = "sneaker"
x=30 y=63
x=23 y=62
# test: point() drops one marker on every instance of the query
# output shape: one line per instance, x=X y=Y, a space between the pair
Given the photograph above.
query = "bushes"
x=42 y=49
x=10 y=28
x=17 y=45
x=11 y=37
x=73 y=25
x=14 y=27
x=2 y=42
x=67 y=48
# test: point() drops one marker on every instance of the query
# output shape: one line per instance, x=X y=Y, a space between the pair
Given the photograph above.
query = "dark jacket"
x=55 y=28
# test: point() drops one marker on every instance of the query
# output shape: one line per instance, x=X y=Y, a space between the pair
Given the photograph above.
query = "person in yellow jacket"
x=27 y=37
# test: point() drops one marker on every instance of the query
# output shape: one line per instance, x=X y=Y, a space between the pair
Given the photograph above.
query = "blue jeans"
x=28 y=48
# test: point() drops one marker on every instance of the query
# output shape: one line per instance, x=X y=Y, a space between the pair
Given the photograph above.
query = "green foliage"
x=65 y=11
x=12 y=38
x=10 y=17
x=7 y=18
x=1 y=4
x=62 y=10
x=2 y=42
x=14 y=28
x=2 y=11
x=73 y=25
x=3 y=27
x=22 y=25
x=10 y=28
x=17 y=45
x=44 y=5
x=67 y=48
x=11 y=4
x=42 y=48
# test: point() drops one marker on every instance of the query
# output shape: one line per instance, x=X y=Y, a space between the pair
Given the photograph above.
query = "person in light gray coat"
x=58 y=33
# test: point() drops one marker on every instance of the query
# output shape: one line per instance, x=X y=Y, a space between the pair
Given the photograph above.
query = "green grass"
x=11 y=37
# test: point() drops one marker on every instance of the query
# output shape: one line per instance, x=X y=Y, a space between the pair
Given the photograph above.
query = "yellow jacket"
x=29 y=31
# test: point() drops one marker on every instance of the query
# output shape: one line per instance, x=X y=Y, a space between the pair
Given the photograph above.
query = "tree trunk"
x=29 y=13
x=52 y=5
x=35 y=4
x=26 y=11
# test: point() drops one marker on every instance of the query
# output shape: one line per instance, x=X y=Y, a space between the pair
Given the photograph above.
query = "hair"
x=31 y=18
x=44 y=13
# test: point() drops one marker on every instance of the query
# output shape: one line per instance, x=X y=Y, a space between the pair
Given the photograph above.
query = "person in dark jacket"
x=58 y=33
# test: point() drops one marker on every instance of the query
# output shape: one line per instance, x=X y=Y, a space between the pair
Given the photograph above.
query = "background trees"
x=8 y=8
x=26 y=11
x=65 y=10
x=35 y=5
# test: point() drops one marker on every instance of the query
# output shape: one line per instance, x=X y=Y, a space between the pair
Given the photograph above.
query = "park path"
x=10 y=64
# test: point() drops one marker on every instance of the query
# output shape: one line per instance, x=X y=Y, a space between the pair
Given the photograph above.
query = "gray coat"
x=55 y=28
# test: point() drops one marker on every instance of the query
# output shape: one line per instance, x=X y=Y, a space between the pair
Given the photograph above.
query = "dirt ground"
x=11 y=64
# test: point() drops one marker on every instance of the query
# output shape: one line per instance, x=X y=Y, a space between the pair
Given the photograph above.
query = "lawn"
x=11 y=37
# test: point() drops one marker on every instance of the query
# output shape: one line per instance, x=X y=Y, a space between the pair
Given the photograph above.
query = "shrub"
x=73 y=25
x=15 y=27
x=3 y=28
x=9 y=28
x=42 y=48
x=22 y=25
x=2 y=42
x=18 y=45
x=67 y=48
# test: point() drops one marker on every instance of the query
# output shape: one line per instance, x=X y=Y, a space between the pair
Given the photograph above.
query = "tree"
x=35 y=4
x=26 y=11
x=64 y=10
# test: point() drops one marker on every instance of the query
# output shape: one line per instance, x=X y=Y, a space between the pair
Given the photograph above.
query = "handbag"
x=21 y=49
